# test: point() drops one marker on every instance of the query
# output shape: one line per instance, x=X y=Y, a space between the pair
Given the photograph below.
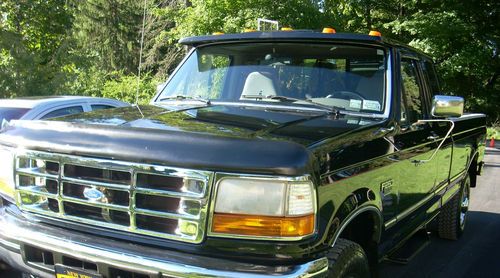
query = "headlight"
x=7 y=187
x=260 y=207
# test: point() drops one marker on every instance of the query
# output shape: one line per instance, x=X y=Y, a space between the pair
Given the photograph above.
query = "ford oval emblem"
x=93 y=194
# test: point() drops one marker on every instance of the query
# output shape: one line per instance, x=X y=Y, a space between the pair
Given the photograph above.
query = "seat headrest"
x=259 y=83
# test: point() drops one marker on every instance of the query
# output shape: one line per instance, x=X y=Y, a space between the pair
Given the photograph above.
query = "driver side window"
x=411 y=106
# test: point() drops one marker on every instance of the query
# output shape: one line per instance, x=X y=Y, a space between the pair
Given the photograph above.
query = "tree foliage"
x=462 y=37
x=33 y=46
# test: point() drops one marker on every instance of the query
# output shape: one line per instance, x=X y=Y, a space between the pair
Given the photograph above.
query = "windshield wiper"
x=183 y=97
x=330 y=109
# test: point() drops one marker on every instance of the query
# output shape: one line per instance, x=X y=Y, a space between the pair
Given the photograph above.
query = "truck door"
x=439 y=129
x=416 y=143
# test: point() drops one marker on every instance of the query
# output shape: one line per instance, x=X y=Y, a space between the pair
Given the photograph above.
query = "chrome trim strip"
x=408 y=211
x=352 y=216
x=221 y=176
x=442 y=187
x=40 y=206
x=470 y=116
x=468 y=130
x=390 y=223
x=10 y=245
x=413 y=208
x=457 y=177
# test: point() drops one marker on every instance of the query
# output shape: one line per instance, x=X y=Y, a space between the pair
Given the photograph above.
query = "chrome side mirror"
x=447 y=106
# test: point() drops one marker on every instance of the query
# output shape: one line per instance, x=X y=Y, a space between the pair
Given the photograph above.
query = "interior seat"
x=260 y=83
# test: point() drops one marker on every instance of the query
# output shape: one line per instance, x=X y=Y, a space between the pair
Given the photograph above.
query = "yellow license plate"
x=70 y=272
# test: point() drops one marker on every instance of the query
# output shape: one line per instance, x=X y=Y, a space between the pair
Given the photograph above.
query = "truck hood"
x=216 y=137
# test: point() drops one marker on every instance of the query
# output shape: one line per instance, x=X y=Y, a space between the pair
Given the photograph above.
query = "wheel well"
x=364 y=230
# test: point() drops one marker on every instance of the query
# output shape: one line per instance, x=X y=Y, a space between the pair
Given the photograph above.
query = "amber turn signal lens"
x=286 y=29
x=256 y=225
x=328 y=30
x=375 y=33
x=217 y=33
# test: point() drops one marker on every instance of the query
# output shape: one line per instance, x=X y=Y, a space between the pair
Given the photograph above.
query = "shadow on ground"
x=475 y=254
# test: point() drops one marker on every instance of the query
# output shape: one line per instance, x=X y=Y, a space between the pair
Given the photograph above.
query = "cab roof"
x=297 y=35
x=280 y=35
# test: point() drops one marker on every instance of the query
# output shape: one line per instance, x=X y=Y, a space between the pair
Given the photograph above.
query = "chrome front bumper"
x=153 y=262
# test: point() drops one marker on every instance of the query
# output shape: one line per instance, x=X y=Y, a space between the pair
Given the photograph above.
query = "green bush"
x=493 y=132
x=124 y=88
x=116 y=85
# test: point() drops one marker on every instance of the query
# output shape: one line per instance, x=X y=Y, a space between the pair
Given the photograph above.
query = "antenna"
x=140 y=58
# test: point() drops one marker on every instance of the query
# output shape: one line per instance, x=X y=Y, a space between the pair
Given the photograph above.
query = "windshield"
x=344 y=77
x=11 y=113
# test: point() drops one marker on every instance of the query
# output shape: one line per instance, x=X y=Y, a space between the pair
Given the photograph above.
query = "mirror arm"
x=442 y=141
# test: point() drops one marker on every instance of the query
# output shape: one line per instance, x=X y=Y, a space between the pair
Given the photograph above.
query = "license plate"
x=69 y=272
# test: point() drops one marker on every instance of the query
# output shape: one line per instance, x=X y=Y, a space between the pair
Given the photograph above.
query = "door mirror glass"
x=447 y=106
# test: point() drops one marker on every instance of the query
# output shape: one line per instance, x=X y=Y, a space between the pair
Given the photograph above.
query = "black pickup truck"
x=284 y=154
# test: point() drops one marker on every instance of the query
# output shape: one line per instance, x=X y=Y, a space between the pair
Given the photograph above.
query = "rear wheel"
x=453 y=216
x=347 y=259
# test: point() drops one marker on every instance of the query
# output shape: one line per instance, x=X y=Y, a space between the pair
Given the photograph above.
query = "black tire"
x=347 y=259
x=452 y=218
x=4 y=266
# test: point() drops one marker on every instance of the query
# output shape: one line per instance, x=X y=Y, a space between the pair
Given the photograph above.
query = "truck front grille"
x=139 y=198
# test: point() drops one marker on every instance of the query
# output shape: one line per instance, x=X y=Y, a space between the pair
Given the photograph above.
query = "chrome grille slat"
x=177 y=211
x=91 y=222
x=96 y=204
x=166 y=214
x=32 y=173
x=154 y=192
x=36 y=190
x=98 y=184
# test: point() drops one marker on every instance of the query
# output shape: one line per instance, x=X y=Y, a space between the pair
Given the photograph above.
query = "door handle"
x=383 y=130
x=433 y=137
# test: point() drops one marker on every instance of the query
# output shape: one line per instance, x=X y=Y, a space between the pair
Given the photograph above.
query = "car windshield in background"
x=11 y=113
x=339 y=76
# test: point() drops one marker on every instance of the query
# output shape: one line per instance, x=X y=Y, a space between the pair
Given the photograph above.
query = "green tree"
x=33 y=46
x=462 y=37
x=232 y=16
x=161 y=52
x=107 y=33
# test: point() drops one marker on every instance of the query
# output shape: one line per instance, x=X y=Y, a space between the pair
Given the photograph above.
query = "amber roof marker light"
x=375 y=33
x=286 y=29
x=217 y=33
x=329 y=30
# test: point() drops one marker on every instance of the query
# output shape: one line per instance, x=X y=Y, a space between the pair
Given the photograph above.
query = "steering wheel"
x=349 y=94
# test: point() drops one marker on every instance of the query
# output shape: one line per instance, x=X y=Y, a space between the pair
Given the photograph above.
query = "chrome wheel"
x=464 y=206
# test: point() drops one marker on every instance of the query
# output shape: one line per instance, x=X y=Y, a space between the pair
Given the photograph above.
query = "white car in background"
x=39 y=108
